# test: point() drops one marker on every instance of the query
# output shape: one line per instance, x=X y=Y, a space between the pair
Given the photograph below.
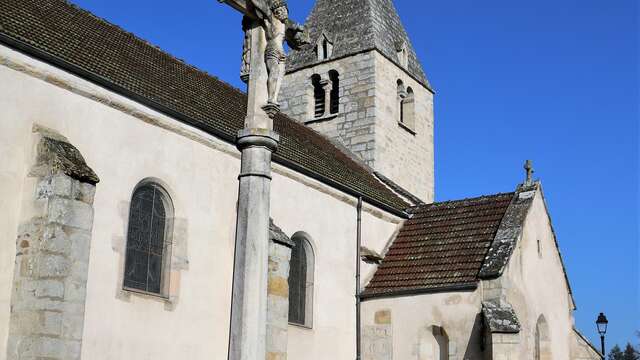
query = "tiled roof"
x=442 y=246
x=93 y=48
x=355 y=26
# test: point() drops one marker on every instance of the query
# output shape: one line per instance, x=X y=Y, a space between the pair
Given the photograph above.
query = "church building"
x=119 y=168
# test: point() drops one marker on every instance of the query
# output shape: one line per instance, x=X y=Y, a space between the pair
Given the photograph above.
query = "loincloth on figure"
x=273 y=52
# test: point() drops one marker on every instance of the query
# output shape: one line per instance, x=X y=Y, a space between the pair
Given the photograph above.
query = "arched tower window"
x=148 y=235
x=301 y=281
x=402 y=93
x=542 y=346
x=318 y=95
x=334 y=98
x=407 y=111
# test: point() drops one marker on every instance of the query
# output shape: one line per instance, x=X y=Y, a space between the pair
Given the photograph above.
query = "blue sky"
x=555 y=81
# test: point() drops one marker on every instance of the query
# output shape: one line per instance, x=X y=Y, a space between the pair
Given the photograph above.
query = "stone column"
x=50 y=278
x=256 y=141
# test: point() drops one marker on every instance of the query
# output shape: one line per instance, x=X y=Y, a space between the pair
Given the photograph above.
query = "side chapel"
x=119 y=169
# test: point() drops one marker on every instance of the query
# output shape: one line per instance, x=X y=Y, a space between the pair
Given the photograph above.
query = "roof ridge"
x=453 y=201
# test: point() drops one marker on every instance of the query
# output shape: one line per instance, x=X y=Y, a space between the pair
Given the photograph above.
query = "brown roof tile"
x=443 y=245
x=84 y=44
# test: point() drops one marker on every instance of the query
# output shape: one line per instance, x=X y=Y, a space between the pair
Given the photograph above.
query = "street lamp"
x=602 y=323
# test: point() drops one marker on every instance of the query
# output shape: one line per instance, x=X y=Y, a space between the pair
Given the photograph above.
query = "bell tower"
x=360 y=84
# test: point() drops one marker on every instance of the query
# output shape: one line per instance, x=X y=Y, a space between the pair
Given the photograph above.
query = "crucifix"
x=266 y=26
x=528 y=167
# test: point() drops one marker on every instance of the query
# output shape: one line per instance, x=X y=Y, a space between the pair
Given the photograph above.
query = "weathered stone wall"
x=52 y=259
x=354 y=125
x=404 y=155
x=534 y=284
x=368 y=120
x=377 y=339
x=278 y=301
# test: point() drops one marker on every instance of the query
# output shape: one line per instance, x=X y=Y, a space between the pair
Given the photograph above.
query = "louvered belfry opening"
x=318 y=95
x=297 y=283
x=334 y=102
x=146 y=239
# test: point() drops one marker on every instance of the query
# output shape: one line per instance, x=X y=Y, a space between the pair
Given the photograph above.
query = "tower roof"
x=355 y=26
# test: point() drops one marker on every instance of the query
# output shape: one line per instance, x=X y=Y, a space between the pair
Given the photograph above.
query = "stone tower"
x=360 y=83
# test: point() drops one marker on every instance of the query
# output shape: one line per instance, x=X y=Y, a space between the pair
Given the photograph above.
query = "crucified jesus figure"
x=278 y=28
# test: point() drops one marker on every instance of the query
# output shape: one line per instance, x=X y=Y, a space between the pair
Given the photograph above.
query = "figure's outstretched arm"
x=262 y=8
x=296 y=35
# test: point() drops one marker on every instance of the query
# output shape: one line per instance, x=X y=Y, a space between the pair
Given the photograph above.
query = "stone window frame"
x=324 y=47
x=406 y=107
x=165 y=285
x=306 y=240
x=319 y=108
x=403 y=55
x=334 y=92
x=542 y=340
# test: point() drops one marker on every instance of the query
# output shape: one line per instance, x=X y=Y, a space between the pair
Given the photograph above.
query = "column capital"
x=257 y=137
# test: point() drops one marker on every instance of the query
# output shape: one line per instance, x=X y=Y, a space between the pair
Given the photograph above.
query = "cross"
x=266 y=25
x=528 y=166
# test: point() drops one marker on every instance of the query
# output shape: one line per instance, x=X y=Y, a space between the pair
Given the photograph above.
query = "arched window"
x=334 y=98
x=324 y=47
x=148 y=235
x=433 y=343
x=407 y=112
x=542 y=346
x=403 y=55
x=301 y=281
x=402 y=93
x=318 y=95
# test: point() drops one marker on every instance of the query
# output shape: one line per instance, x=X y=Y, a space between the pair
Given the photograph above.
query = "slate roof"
x=355 y=26
x=442 y=246
x=62 y=34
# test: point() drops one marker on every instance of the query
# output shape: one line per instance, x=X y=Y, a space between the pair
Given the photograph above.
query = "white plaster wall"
x=536 y=285
x=411 y=316
x=406 y=158
x=331 y=223
x=14 y=137
x=200 y=173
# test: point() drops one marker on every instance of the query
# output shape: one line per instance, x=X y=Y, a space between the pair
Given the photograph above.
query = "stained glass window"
x=146 y=239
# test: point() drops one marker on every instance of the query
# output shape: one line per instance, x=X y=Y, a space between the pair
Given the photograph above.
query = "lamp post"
x=602 y=323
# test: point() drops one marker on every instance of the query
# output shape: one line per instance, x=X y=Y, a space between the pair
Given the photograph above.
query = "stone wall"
x=354 y=124
x=368 y=119
x=52 y=260
x=404 y=155
x=278 y=300
x=377 y=339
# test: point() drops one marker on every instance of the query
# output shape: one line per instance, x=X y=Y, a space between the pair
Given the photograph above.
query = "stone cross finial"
x=528 y=166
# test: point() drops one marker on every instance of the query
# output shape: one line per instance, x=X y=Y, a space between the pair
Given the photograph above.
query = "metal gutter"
x=358 y=291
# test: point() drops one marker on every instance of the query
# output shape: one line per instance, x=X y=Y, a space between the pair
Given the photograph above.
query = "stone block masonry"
x=52 y=260
x=278 y=301
x=354 y=124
